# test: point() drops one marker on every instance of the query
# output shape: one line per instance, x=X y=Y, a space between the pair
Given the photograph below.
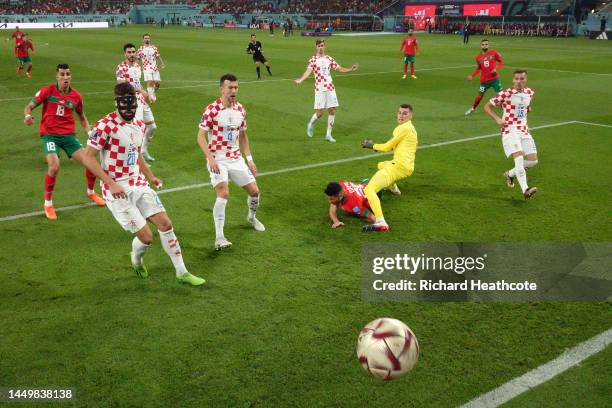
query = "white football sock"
x=219 y=215
x=520 y=173
x=330 y=124
x=150 y=131
x=48 y=203
x=151 y=91
x=253 y=203
x=173 y=249
x=313 y=119
x=530 y=163
x=90 y=191
x=380 y=220
x=138 y=251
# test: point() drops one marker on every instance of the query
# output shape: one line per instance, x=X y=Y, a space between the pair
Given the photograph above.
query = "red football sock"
x=91 y=179
x=411 y=68
x=29 y=68
x=405 y=68
x=49 y=186
x=477 y=101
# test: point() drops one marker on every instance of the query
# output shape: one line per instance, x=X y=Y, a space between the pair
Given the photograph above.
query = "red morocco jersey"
x=355 y=201
x=486 y=63
x=58 y=109
x=21 y=51
x=409 y=44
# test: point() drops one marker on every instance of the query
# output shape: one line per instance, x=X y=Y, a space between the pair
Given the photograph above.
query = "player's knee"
x=145 y=235
x=223 y=193
x=331 y=111
x=164 y=225
x=54 y=168
x=319 y=113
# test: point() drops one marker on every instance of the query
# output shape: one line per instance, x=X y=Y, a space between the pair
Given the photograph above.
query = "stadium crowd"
x=523 y=29
x=42 y=7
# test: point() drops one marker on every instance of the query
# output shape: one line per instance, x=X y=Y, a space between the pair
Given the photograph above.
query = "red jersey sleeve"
x=500 y=61
x=243 y=125
x=206 y=123
x=79 y=105
x=311 y=63
x=333 y=64
x=41 y=95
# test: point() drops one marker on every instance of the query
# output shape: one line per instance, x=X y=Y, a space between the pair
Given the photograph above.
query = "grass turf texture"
x=278 y=319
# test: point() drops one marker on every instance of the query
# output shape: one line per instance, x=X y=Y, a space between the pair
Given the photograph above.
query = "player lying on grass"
x=57 y=131
x=516 y=139
x=119 y=138
x=351 y=198
x=404 y=145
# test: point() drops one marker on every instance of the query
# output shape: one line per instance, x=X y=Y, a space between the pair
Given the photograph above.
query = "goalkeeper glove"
x=367 y=144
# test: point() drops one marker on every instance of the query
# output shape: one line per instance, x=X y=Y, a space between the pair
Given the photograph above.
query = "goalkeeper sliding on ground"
x=404 y=145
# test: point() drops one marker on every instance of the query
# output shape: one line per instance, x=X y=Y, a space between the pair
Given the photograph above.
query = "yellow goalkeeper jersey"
x=403 y=143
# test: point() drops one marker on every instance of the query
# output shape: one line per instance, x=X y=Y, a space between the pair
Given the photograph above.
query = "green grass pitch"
x=277 y=322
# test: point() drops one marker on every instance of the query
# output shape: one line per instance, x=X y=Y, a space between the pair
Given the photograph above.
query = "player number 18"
x=60 y=110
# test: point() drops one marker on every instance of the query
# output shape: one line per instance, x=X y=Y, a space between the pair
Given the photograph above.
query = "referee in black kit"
x=254 y=48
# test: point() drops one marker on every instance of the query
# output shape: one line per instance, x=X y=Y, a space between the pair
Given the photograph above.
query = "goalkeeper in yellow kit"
x=404 y=145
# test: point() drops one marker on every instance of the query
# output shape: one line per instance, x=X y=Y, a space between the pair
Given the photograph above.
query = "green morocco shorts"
x=408 y=58
x=53 y=143
x=494 y=83
x=24 y=60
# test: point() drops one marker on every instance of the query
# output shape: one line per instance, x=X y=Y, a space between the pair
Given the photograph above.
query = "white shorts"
x=151 y=76
x=518 y=142
x=326 y=99
x=144 y=113
x=132 y=212
x=237 y=170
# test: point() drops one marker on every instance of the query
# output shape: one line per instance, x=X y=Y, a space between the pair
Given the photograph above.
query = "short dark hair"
x=319 y=41
x=128 y=45
x=124 y=88
x=406 y=106
x=519 y=71
x=61 y=66
x=145 y=35
x=483 y=40
x=333 y=189
x=228 y=77
x=253 y=35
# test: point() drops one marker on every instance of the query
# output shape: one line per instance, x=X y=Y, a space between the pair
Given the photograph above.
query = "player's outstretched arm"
x=87 y=157
x=84 y=122
x=162 y=64
x=489 y=111
x=27 y=112
x=353 y=67
x=333 y=214
x=146 y=170
x=303 y=77
x=203 y=142
x=246 y=151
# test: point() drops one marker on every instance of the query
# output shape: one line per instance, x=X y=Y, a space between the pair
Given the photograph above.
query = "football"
x=387 y=349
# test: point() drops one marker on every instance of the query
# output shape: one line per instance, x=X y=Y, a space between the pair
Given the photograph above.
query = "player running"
x=488 y=63
x=255 y=48
x=222 y=137
x=410 y=47
x=516 y=139
x=351 y=198
x=404 y=145
x=148 y=54
x=129 y=71
x=57 y=131
x=23 y=56
x=325 y=91
x=118 y=137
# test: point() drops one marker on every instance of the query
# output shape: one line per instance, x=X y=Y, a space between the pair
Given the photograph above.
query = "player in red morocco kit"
x=57 y=131
x=351 y=198
x=410 y=47
x=222 y=136
x=23 y=56
x=119 y=137
x=488 y=63
x=516 y=139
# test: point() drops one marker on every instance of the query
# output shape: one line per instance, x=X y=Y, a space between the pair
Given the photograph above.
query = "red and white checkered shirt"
x=515 y=105
x=321 y=68
x=131 y=73
x=223 y=126
x=119 y=144
x=148 y=54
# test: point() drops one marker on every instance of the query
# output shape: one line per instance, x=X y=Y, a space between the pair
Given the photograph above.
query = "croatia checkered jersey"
x=515 y=105
x=223 y=126
x=321 y=68
x=148 y=54
x=119 y=143
x=131 y=74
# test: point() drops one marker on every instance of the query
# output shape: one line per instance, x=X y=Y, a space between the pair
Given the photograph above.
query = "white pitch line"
x=543 y=373
x=216 y=82
x=288 y=170
x=594 y=124
x=567 y=72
